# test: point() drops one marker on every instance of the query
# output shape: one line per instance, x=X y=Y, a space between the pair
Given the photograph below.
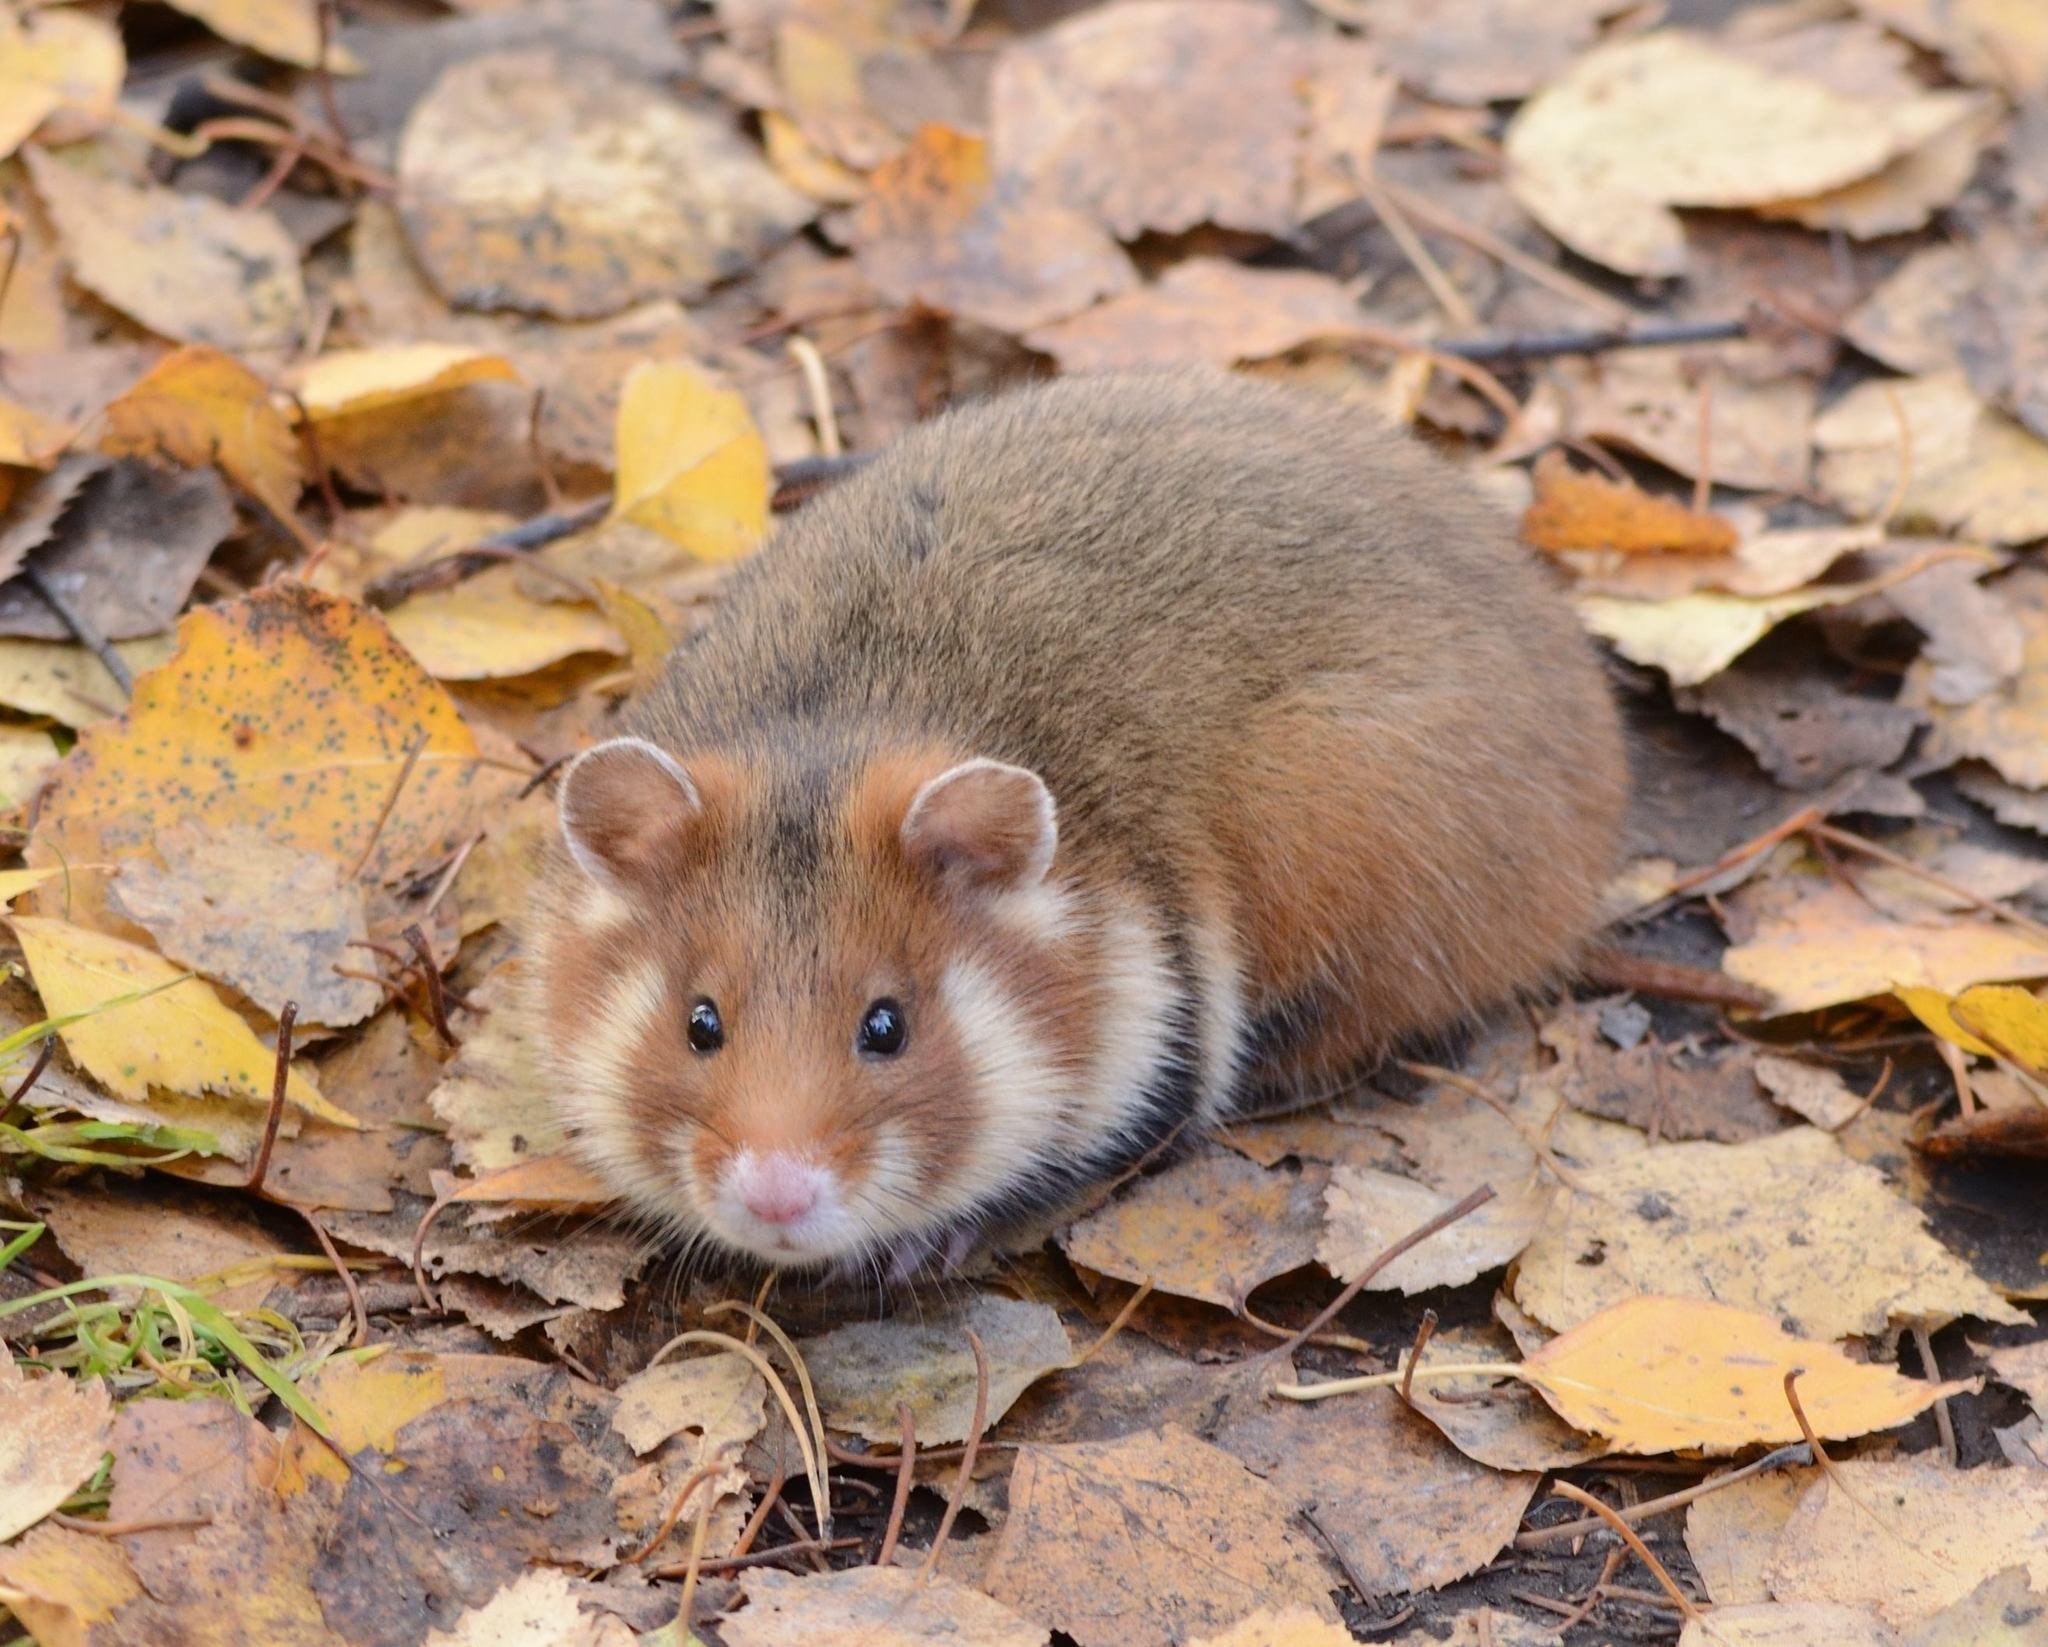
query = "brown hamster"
x=1097 y=760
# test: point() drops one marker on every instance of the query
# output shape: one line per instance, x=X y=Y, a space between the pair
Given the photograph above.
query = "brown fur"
x=1282 y=670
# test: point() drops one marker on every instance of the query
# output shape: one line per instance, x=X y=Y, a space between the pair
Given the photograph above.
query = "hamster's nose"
x=776 y=1187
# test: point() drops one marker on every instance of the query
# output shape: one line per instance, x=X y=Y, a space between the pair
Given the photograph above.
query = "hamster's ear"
x=624 y=805
x=982 y=824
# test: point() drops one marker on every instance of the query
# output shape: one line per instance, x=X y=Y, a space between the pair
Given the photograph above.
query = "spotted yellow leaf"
x=148 y=1024
x=691 y=465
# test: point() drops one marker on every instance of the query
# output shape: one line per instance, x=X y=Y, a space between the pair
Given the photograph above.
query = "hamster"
x=1097 y=761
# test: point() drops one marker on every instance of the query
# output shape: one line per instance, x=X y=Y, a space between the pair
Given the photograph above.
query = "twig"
x=759 y=1518
x=814 y=1464
x=88 y=634
x=1564 y=1531
x=1395 y=221
x=1633 y=1539
x=1359 y=1587
x=693 y=1569
x=46 y=1049
x=280 y=1080
x=1906 y=866
x=1613 y=968
x=819 y=389
x=323 y=77
x=1326 y=1340
x=906 y=1463
x=1538 y=1142
x=1804 y=818
x=691 y=1482
x=1117 y=1325
x=448 y=570
x=1883 y=1080
x=1703 y=482
x=348 y=1280
x=1414 y=1238
x=757 y=1317
x=1930 y=1369
x=126 y=1529
x=550 y=488
x=760 y=1558
x=1594 y=1593
x=965 y=1478
x=412 y=756
x=1423 y=1334
x=430 y=975
x=1428 y=212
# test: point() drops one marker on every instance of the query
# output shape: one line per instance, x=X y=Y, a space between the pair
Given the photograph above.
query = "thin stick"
x=279 y=1081
x=1536 y=1141
x=125 y=1529
x=430 y=975
x=1930 y=1369
x=1613 y=968
x=1633 y=1539
x=348 y=1280
x=694 y=1568
x=1426 y=211
x=46 y=1049
x=448 y=570
x=87 y=633
x=1805 y=818
x=1414 y=1238
x=965 y=1478
x=1952 y=1056
x=323 y=75
x=1703 y=482
x=550 y=488
x=760 y=1558
x=1883 y=1080
x=412 y=756
x=1423 y=1334
x=1595 y=1594
x=1117 y=1325
x=818 y=388
x=1903 y=482
x=1395 y=220
x=1906 y=866
x=759 y=1518
x=906 y=1463
x=691 y=1482
x=814 y=1468
x=1564 y=1531
x=803 y=1378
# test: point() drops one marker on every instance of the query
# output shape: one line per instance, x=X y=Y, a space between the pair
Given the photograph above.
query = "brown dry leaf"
x=1100 y=1534
x=497 y=1108
x=1787 y=1227
x=1780 y=1624
x=60 y=71
x=1205 y=310
x=1499 y=1422
x=185 y=265
x=288 y=30
x=2005 y=1610
x=1915 y=1537
x=2025 y=1368
x=940 y=229
x=199 y=407
x=691 y=464
x=720 y=1397
x=563 y=185
x=539 y=1608
x=1213 y=1227
x=1159 y=115
x=2007 y=802
x=1765 y=561
x=1288 y=1627
x=1477 y=51
x=1656 y=1375
x=871 y=1607
x=1368 y=1210
x=1731 y=1532
x=1815 y=1094
x=1346 y=1461
x=1906 y=194
x=1966 y=468
x=865 y=1369
x=271 y=920
x=53 y=1432
x=60 y=1584
x=1671 y=118
x=361 y=380
x=2008 y=725
x=1577 y=509
x=1670 y=1091
x=2016 y=1132
x=28 y=439
x=291 y=711
x=583 y=1263
x=1997 y=43
x=164 y=1230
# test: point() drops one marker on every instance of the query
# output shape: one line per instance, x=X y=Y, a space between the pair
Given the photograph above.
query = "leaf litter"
x=268 y=387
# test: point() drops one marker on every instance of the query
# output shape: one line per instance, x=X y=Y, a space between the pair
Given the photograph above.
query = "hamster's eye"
x=707 y=1029
x=882 y=1028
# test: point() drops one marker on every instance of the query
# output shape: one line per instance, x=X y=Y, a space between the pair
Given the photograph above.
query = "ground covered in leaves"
x=384 y=388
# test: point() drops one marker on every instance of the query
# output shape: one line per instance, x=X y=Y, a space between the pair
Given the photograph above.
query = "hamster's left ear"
x=983 y=825
x=625 y=805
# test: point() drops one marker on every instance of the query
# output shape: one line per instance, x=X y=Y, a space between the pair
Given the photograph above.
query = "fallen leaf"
x=1367 y=1211
x=2007 y=802
x=488 y=628
x=493 y=1102
x=1787 y=1227
x=60 y=71
x=1815 y=1094
x=1989 y=1020
x=1669 y=1091
x=175 y=1033
x=1576 y=509
x=720 y=1397
x=200 y=407
x=1099 y=1533
x=60 y=1584
x=272 y=921
x=871 y=1607
x=1912 y=1537
x=26 y=756
x=2005 y=1610
x=942 y=230
x=538 y=1607
x=566 y=185
x=1477 y=51
x=2025 y=1368
x=2008 y=725
x=1692 y=638
x=691 y=464
x=2011 y=1132
x=1204 y=310
x=1499 y=1422
x=1159 y=115
x=1805 y=726
x=1782 y=1624
x=1659 y=1375
x=313 y=757
x=288 y=30
x=1670 y=118
x=1965 y=468
x=185 y=265
x=1213 y=1227
x=1998 y=43
x=1905 y=194
x=864 y=1370
x=53 y=1433
x=1731 y=1532
x=1765 y=561
x=361 y=380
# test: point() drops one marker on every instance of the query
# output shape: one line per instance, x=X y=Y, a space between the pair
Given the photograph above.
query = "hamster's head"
x=820 y=1014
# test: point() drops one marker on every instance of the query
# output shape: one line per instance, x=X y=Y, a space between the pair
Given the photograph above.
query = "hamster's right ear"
x=625 y=805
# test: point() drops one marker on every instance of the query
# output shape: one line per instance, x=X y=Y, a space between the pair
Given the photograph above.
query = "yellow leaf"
x=1662 y=1375
x=552 y=1181
x=53 y=1430
x=691 y=465
x=27 y=438
x=290 y=710
x=182 y=1038
x=647 y=639
x=359 y=380
x=288 y=30
x=199 y=407
x=59 y=1584
x=487 y=628
x=66 y=683
x=14 y=882
x=1933 y=1008
x=52 y=61
x=2014 y=1019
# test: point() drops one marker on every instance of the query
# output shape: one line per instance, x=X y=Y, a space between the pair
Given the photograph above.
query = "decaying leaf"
x=200 y=406
x=1661 y=1375
x=538 y=1606
x=864 y=1369
x=565 y=185
x=872 y=1607
x=1367 y=1211
x=493 y=1100
x=288 y=30
x=1787 y=1227
x=1477 y=51
x=61 y=1584
x=184 y=265
x=2007 y=726
x=719 y=1397
x=53 y=1433
x=1731 y=1532
x=1098 y=1535
x=60 y=71
x=691 y=464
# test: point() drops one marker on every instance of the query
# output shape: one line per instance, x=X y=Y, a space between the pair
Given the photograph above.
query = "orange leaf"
x=1575 y=510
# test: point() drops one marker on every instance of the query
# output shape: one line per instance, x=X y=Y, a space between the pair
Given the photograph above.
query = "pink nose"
x=776 y=1188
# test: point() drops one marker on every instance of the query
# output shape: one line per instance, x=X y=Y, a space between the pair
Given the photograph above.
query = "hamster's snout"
x=782 y=1205
x=777 y=1188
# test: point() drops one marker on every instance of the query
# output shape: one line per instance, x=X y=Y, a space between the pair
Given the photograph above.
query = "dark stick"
x=430 y=974
x=88 y=633
x=282 y=1079
x=444 y=573
x=1544 y=345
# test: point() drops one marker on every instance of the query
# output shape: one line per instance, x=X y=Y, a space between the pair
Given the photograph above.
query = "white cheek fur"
x=595 y=1067
x=1021 y=1093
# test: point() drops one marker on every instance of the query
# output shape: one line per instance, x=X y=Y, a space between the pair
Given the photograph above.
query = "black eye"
x=707 y=1029
x=882 y=1029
